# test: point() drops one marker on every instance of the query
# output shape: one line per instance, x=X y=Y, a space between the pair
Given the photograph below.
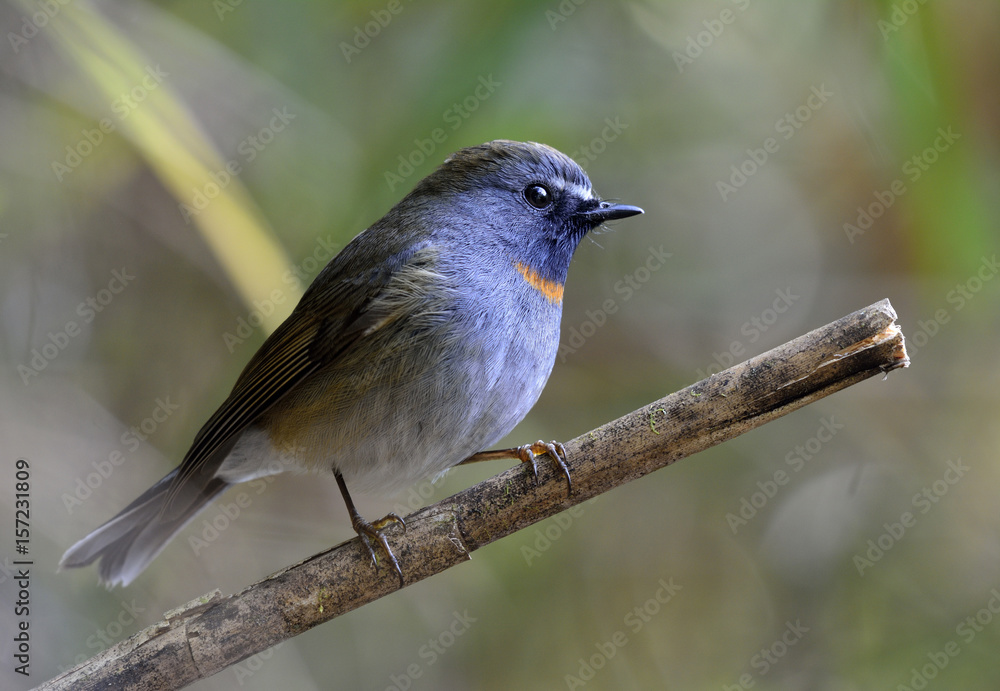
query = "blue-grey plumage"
x=426 y=340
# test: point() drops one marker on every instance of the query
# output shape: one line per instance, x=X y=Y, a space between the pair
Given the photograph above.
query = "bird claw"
x=528 y=453
x=373 y=531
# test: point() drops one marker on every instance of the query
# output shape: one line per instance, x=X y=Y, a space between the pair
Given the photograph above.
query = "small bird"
x=423 y=342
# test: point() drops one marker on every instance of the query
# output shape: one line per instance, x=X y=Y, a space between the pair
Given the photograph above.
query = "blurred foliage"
x=798 y=160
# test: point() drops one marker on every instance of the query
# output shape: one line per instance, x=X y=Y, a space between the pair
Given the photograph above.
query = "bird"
x=420 y=344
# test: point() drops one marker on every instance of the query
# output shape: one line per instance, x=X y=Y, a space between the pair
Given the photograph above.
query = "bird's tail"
x=129 y=541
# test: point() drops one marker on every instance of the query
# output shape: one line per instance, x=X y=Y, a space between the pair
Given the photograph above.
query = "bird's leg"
x=527 y=454
x=371 y=531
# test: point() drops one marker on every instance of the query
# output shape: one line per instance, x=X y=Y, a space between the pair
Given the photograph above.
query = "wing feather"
x=330 y=318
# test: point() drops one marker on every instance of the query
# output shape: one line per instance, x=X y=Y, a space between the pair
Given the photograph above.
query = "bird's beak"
x=606 y=211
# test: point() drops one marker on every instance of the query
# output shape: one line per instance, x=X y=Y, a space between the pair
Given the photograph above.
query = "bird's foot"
x=369 y=532
x=528 y=453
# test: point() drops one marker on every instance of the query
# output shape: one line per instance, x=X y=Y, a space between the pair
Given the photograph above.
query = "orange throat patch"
x=552 y=290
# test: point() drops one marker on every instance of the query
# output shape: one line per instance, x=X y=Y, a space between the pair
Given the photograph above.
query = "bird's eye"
x=538 y=196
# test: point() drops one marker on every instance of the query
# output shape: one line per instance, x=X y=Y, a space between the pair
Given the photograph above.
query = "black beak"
x=606 y=211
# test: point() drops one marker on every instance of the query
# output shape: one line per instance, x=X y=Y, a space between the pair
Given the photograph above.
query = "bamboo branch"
x=211 y=633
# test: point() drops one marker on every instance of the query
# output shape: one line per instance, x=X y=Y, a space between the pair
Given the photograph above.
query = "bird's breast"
x=458 y=361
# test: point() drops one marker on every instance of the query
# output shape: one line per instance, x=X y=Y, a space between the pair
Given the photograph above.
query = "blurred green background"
x=173 y=174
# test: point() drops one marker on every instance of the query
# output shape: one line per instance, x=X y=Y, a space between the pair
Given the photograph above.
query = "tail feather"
x=128 y=542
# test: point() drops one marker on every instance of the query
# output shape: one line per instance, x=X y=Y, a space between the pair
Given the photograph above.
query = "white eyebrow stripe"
x=580 y=191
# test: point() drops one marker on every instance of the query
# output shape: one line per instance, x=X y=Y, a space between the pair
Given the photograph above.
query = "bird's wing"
x=334 y=313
